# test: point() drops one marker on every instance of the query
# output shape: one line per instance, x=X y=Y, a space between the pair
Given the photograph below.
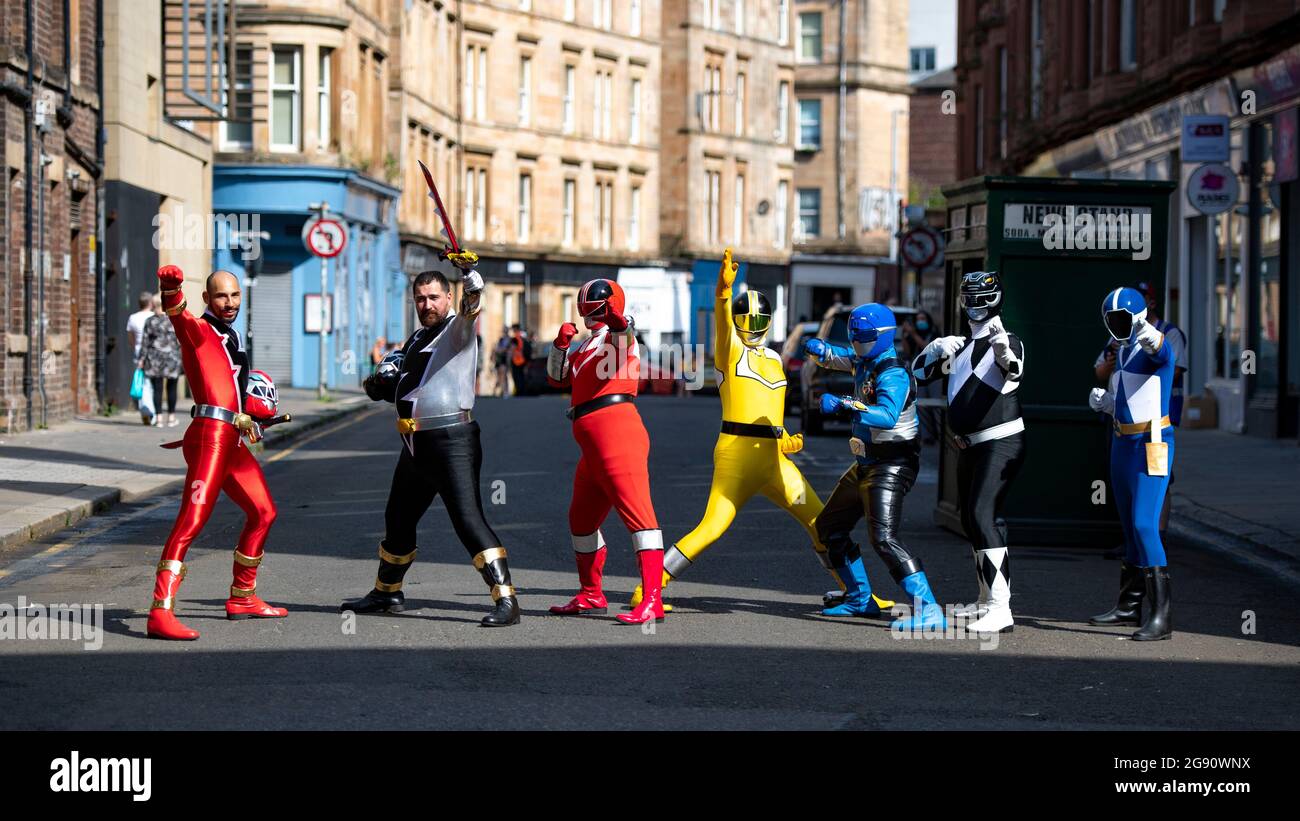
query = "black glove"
x=379 y=389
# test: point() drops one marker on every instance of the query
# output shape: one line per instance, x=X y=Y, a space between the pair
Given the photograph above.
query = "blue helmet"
x=871 y=329
x=1120 y=311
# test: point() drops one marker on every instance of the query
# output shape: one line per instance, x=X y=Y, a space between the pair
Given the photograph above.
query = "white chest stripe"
x=744 y=369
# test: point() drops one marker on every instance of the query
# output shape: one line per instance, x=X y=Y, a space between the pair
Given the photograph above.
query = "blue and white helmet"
x=391 y=365
x=871 y=329
x=1121 y=310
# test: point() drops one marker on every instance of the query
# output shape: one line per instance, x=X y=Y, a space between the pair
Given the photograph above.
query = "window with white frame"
x=922 y=58
x=740 y=105
x=634 y=219
x=740 y=17
x=237 y=129
x=810 y=37
x=783 y=112
x=602 y=96
x=810 y=212
x=525 y=90
x=286 y=98
x=323 y=98
x=525 y=5
x=634 y=18
x=713 y=14
x=713 y=205
x=711 y=115
x=782 y=213
x=738 y=210
x=603 y=214
x=602 y=13
x=475 y=73
x=783 y=22
x=810 y=124
x=525 y=223
x=634 y=112
x=570 y=90
x=570 y=10
x=476 y=196
x=569 y=210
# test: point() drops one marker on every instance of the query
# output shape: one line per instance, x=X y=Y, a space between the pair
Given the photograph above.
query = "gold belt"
x=407 y=425
x=1130 y=428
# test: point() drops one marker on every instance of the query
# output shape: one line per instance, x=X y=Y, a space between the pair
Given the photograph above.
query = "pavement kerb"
x=101 y=501
x=1200 y=528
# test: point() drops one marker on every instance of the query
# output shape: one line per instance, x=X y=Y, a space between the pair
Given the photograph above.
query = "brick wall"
x=68 y=317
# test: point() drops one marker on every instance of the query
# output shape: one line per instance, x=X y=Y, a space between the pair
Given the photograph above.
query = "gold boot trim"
x=393 y=558
x=385 y=587
x=488 y=556
x=168 y=603
x=242 y=592
x=176 y=568
x=248 y=561
x=500 y=591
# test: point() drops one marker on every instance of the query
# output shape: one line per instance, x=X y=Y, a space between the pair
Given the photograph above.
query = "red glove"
x=616 y=321
x=170 y=276
x=567 y=332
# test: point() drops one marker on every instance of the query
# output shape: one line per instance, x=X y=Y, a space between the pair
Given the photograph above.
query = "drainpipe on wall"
x=842 y=125
x=28 y=35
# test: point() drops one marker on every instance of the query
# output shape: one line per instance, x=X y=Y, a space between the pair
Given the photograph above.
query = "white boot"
x=995 y=571
x=981 y=605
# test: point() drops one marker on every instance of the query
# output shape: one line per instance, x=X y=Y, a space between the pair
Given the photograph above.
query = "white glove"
x=1148 y=337
x=1102 y=400
x=995 y=326
x=1003 y=354
x=948 y=346
x=473 y=282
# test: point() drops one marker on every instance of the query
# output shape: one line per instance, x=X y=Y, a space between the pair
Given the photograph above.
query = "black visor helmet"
x=752 y=315
x=981 y=295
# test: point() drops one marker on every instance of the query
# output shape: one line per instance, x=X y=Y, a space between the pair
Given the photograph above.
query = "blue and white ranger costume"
x=886 y=446
x=1140 y=459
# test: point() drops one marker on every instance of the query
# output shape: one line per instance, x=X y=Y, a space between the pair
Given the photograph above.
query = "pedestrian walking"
x=160 y=358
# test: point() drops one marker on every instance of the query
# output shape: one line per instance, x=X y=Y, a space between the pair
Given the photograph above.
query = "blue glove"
x=831 y=404
x=815 y=347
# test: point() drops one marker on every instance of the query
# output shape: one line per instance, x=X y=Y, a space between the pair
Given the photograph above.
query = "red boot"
x=590 y=600
x=163 y=623
x=243 y=602
x=652 y=574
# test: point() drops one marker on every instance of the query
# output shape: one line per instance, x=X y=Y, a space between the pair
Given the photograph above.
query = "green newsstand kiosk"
x=1054 y=288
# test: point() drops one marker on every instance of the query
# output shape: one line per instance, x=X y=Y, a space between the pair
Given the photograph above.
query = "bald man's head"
x=222 y=295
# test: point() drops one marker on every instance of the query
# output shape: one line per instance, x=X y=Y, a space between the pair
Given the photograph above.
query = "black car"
x=816 y=381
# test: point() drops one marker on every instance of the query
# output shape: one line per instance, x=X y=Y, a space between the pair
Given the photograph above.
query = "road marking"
x=332 y=427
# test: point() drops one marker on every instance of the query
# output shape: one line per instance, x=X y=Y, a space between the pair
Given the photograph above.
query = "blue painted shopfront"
x=365 y=282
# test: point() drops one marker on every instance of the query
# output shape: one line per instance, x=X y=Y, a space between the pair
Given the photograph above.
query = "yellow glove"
x=727 y=274
x=465 y=260
x=791 y=444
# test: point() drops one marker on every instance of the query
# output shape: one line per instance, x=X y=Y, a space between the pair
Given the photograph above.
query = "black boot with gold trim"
x=387 y=597
x=491 y=564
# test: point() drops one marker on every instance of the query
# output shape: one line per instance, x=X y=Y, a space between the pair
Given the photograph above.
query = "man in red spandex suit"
x=216 y=367
x=614 y=470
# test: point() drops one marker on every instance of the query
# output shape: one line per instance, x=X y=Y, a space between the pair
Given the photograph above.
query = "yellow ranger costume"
x=750 y=456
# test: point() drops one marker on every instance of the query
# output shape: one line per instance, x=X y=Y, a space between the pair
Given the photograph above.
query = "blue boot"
x=926 y=612
x=858 y=600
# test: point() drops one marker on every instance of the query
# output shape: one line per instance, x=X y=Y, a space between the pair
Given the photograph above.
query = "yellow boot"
x=636 y=595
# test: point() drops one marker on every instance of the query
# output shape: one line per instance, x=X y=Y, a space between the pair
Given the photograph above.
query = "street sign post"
x=325 y=238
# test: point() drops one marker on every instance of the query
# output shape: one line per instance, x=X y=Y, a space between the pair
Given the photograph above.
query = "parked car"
x=792 y=360
x=815 y=381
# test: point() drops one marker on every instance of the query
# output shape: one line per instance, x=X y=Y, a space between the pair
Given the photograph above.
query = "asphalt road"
x=746 y=647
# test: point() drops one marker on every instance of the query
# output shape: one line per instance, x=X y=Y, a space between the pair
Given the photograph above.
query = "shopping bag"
x=146 y=399
x=137 y=383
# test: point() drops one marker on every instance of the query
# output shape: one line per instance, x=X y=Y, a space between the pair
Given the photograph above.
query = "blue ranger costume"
x=1140 y=459
x=886 y=446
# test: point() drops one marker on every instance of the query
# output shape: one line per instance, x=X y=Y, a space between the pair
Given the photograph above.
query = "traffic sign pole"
x=325 y=238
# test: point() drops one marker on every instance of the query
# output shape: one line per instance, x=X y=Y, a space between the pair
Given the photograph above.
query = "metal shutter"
x=273 y=323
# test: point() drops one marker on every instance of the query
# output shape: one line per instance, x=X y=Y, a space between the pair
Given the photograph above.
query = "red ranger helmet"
x=598 y=298
x=262 y=400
